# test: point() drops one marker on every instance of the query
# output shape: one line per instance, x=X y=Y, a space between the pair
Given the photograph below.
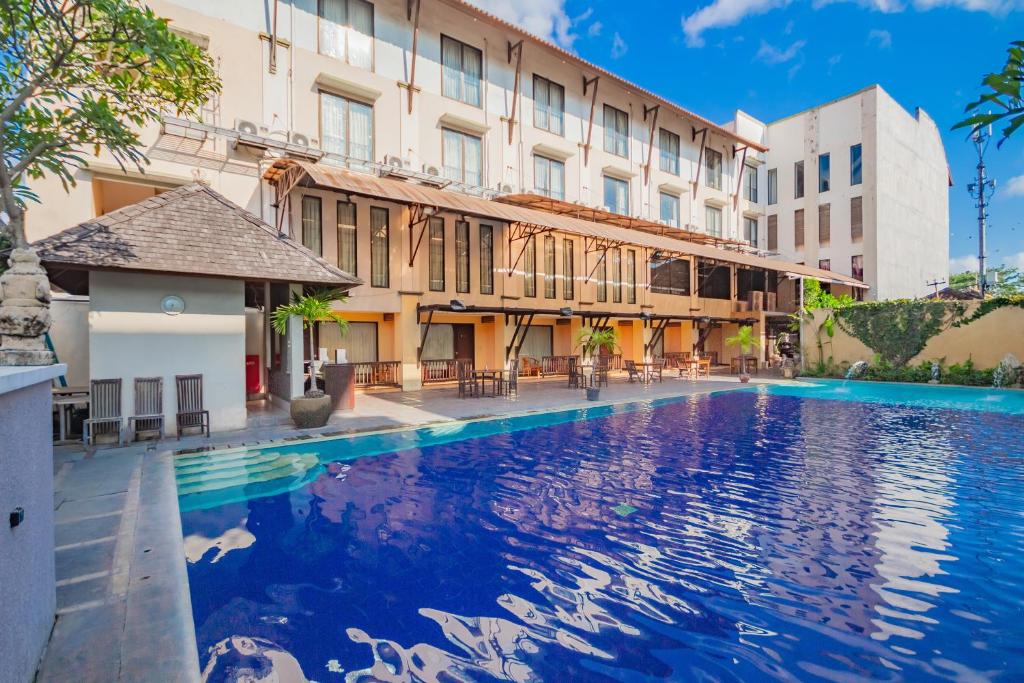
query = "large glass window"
x=669 y=208
x=548 y=105
x=773 y=185
x=435 y=249
x=346 y=126
x=568 y=270
x=312 y=227
x=616 y=195
x=347 y=237
x=548 y=177
x=461 y=69
x=857 y=267
x=713 y=219
x=750 y=183
x=713 y=169
x=825 y=264
x=549 y=267
x=798 y=180
x=630 y=276
x=380 y=275
x=668 y=151
x=616 y=131
x=856 y=219
x=602 y=276
x=670 y=276
x=773 y=232
x=530 y=267
x=750 y=230
x=486 y=259
x=798 y=229
x=462 y=157
x=856 y=175
x=461 y=256
x=824 y=173
x=617 y=276
x=346 y=31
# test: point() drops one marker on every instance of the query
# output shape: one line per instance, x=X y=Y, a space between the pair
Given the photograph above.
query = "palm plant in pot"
x=314 y=408
x=590 y=342
x=744 y=338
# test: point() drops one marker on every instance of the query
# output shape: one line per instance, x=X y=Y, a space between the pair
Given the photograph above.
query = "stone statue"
x=24 y=311
x=935 y=374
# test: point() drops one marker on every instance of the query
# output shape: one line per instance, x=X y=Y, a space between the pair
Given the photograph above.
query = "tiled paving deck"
x=122 y=594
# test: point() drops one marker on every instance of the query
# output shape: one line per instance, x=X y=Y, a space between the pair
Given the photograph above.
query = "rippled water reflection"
x=732 y=537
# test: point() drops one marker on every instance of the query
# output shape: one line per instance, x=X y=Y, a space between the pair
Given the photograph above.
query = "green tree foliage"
x=898 y=330
x=78 y=76
x=1008 y=281
x=311 y=308
x=744 y=338
x=591 y=340
x=817 y=298
x=1002 y=102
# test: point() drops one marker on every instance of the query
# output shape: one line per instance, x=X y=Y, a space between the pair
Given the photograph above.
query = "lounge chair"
x=190 y=404
x=149 y=406
x=104 y=410
x=633 y=371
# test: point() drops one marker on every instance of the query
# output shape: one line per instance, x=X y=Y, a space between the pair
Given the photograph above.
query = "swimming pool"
x=744 y=535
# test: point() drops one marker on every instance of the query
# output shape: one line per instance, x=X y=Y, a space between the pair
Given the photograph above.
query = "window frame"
x=486 y=285
x=462 y=257
x=601 y=275
x=568 y=269
x=462 y=136
x=750 y=236
x=666 y=156
x=673 y=198
x=750 y=186
x=550 y=268
x=530 y=267
x=551 y=163
x=717 y=210
x=684 y=288
x=436 y=280
x=854 y=267
x=354 y=235
x=374 y=273
x=347 y=57
x=824 y=172
x=612 y=134
x=857 y=170
x=631 y=276
x=547 y=85
x=799 y=179
x=604 y=186
x=462 y=71
x=773 y=186
x=320 y=221
x=321 y=93
x=713 y=170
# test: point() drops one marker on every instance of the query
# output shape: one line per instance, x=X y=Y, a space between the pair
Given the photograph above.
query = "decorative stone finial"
x=24 y=311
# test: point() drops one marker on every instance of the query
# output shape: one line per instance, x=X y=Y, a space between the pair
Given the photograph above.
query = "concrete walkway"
x=122 y=589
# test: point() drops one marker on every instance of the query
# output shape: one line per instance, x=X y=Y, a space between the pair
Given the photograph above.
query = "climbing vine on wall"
x=898 y=330
x=989 y=305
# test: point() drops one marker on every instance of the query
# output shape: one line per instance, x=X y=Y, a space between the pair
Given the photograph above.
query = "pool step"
x=257 y=468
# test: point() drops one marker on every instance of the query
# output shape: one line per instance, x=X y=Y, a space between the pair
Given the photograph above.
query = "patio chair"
x=510 y=383
x=149 y=406
x=190 y=404
x=467 y=383
x=576 y=380
x=529 y=367
x=601 y=365
x=633 y=371
x=657 y=369
x=704 y=367
x=104 y=410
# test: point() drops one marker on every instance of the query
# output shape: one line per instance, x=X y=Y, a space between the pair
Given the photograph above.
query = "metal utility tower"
x=982 y=191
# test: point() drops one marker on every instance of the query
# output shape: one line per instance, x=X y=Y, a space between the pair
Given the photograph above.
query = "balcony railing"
x=378 y=374
x=442 y=370
x=559 y=365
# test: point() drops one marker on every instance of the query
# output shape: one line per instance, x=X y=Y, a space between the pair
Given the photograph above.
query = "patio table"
x=481 y=377
x=64 y=399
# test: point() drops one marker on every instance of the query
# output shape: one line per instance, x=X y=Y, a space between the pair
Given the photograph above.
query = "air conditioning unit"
x=607 y=209
x=506 y=188
x=301 y=139
x=662 y=221
x=247 y=127
x=431 y=170
x=396 y=161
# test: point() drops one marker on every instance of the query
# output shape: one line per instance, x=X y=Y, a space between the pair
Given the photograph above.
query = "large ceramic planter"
x=311 y=412
x=593 y=393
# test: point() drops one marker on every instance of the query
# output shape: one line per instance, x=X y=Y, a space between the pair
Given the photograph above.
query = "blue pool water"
x=783 y=533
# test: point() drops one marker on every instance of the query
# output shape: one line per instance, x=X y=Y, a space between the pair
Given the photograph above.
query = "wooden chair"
x=190 y=404
x=510 y=383
x=633 y=371
x=104 y=409
x=601 y=366
x=656 y=370
x=529 y=367
x=149 y=406
x=704 y=367
x=576 y=380
x=467 y=383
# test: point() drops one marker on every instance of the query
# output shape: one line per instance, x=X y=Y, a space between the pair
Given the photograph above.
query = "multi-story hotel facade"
x=492 y=192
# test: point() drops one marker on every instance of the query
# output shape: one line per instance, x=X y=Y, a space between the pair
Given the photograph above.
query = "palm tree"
x=1004 y=96
x=744 y=338
x=312 y=308
x=590 y=340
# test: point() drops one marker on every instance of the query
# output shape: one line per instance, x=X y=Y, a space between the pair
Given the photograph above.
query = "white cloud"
x=721 y=13
x=962 y=264
x=1014 y=187
x=880 y=38
x=594 y=30
x=833 y=62
x=1014 y=260
x=619 y=47
x=544 y=18
x=769 y=54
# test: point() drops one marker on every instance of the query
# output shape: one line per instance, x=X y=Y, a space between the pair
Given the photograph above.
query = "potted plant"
x=744 y=338
x=590 y=342
x=314 y=408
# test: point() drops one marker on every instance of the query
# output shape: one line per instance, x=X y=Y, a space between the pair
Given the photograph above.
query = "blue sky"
x=772 y=58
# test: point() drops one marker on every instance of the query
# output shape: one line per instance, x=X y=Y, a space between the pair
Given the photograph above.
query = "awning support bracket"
x=517 y=339
x=417 y=218
x=518 y=48
x=703 y=133
x=526 y=233
x=282 y=197
x=739 y=174
x=593 y=108
x=657 y=335
x=412 y=10
x=650 y=143
x=423 y=334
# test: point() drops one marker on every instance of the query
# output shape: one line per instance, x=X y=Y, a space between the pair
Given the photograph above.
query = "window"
x=670 y=209
x=346 y=31
x=568 y=270
x=617 y=276
x=530 y=267
x=461 y=67
x=713 y=169
x=549 y=267
x=773 y=185
x=486 y=259
x=616 y=195
x=856 y=174
x=670 y=276
x=714 y=281
x=347 y=237
x=824 y=173
x=668 y=151
x=857 y=267
x=602 y=276
x=549 y=177
x=856 y=219
x=773 y=233
x=461 y=256
x=713 y=218
x=824 y=224
x=346 y=127
x=435 y=250
x=616 y=131
x=798 y=180
x=750 y=230
x=750 y=183
x=462 y=162
x=379 y=248
x=798 y=229
x=548 y=106
x=825 y=264
x=630 y=276
x=312 y=230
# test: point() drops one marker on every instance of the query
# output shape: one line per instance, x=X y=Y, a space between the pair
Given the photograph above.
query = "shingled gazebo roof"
x=191 y=230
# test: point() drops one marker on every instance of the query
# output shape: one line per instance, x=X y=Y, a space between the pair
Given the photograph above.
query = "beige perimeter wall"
x=985 y=341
